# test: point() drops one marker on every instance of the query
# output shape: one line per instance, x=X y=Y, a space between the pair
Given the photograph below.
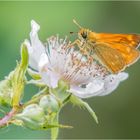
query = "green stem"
x=55 y=131
x=36 y=98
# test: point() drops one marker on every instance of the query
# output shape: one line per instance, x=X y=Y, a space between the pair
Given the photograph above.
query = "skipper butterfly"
x=114 y=51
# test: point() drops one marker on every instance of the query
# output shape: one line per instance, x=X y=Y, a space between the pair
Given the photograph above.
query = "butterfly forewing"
x=126 y=44
x=132 y=40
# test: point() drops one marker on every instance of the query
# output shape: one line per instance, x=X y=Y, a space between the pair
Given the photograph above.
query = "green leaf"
x=79 y=102
x=49 y=103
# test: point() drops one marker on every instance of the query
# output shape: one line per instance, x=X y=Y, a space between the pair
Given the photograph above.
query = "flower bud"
x=32 y=117
x=6 y=92
x=49 y=103
x=34 y=112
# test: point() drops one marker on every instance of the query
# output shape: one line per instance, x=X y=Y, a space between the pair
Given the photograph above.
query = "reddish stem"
x=6 y=118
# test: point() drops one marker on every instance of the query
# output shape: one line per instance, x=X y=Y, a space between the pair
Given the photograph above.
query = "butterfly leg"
x=77 y=42
x=83 y=49
x=87 y=51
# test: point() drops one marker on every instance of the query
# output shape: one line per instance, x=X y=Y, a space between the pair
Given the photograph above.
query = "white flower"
x=55 y=61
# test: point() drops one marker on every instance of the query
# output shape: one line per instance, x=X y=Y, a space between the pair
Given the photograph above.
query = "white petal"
x=50 y=78
x=123 y=76
x=35 y=28
x=54 y=80
x=112 y=82
x=99 y=87
x=90 y=90
x=46 y=78
x=43 y=61
x=36 y=45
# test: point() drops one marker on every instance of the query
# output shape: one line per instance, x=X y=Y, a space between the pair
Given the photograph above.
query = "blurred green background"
x=119 y=112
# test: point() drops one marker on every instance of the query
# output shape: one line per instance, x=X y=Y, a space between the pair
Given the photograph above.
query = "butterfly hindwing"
x=110 y=57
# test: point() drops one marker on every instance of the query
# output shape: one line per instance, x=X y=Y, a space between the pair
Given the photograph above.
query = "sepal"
x=61 y=91
x=79 y=102
x=12 y=87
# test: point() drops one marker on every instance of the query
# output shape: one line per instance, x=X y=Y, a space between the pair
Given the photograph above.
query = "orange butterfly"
x=115 y=51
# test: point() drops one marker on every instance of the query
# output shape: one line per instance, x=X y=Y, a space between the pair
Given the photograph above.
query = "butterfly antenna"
x=73 y=32
x=75 y=22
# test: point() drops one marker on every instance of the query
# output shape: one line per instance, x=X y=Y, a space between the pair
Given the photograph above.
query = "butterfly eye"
x=84 y=35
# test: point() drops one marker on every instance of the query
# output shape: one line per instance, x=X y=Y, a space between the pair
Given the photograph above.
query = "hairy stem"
x=5 y=120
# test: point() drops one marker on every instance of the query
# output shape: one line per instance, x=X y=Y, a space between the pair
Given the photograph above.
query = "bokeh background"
x=119 y=112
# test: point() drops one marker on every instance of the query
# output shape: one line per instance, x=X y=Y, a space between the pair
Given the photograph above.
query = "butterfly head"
x=85 y=34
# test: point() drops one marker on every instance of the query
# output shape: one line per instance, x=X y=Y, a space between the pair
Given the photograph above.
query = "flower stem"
x=5 y=120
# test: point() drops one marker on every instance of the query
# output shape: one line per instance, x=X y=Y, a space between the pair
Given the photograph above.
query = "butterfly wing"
x=132 y=40
x=126 y=44
x=110 y=57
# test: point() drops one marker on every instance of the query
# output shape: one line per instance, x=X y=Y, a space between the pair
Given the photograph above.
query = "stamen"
x=70 y=63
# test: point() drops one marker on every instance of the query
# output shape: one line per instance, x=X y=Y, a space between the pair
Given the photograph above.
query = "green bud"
x=29 y=123
x=49 y=103
x=6 y=92
x=33 y=112
x=32 y=117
